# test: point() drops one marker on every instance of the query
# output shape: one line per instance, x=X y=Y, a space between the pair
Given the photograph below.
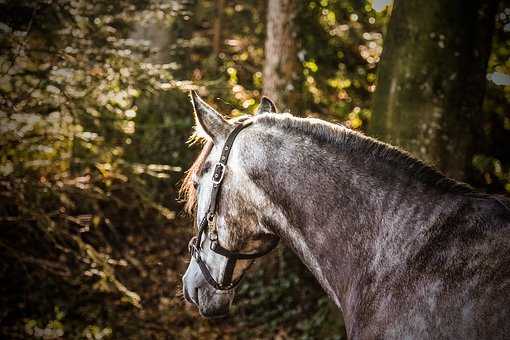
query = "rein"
x=208 y=224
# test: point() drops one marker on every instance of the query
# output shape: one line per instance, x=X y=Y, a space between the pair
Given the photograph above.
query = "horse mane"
x=347 y=140
x=187 y=191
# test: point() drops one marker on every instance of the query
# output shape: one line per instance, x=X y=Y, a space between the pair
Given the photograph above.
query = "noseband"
x=208 y=224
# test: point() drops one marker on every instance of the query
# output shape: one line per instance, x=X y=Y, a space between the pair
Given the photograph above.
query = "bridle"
x=208 y=223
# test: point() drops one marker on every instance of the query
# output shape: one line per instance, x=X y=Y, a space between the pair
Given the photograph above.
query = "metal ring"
x=210 y=217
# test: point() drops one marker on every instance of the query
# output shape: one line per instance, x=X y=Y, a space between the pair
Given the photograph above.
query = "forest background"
x=95 y=115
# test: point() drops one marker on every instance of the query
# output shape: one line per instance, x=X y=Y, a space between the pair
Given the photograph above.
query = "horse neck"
x=344 y=215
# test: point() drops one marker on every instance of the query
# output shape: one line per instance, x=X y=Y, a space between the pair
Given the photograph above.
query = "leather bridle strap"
x=221 y=167
x=208 y=223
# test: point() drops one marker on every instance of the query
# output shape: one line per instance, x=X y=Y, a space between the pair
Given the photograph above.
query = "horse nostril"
x=186 y=295
x=191 y=298
x=195 y=296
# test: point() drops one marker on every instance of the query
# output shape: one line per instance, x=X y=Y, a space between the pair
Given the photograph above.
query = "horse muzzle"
x=211 y=303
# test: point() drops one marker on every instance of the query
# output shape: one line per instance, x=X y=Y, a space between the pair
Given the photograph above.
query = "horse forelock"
x=187 y=190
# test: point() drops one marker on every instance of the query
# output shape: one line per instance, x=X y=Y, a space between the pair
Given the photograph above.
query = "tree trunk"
x=432 y=79
x=217 y=28
x=281 y=65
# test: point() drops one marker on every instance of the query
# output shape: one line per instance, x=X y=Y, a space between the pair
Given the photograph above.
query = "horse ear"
x=266 y=105
x=209 y=123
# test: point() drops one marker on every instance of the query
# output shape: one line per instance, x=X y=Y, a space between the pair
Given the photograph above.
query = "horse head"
x=227 y=206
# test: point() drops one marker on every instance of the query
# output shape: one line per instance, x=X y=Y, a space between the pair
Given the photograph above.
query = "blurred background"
x=95 y=115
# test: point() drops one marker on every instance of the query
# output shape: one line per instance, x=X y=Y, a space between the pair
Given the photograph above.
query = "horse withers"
x=404 y=251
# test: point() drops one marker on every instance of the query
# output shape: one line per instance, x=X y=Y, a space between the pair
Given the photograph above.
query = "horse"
x=404 y=251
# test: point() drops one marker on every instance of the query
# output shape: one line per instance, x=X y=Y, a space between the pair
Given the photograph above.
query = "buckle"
x=210 y=218
x=219 y=172
x=214 y=245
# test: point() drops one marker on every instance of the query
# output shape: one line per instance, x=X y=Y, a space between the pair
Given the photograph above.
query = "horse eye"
x=195 y=184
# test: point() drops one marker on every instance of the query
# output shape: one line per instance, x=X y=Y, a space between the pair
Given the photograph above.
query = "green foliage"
x=342 y=45
x=70 y=80
x=492 y=164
